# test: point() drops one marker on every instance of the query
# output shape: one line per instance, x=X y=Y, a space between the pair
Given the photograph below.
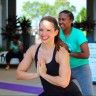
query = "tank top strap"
x=36 y=54
x=54 y=53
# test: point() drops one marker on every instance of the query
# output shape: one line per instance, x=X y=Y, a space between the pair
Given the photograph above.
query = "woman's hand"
x=41 y=67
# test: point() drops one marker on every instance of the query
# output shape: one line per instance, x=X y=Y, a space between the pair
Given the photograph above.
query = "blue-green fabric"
x=15 y=46
x=74 y=41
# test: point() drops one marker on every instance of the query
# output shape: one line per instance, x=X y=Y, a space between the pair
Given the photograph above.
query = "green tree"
x=31 y=10
x=25 y=24
x=84 y=23
x=37 y=9
x=82 y=15
x=60 y=5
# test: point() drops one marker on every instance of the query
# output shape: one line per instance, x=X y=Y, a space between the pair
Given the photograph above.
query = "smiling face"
x=64 y=21
x=47 y=31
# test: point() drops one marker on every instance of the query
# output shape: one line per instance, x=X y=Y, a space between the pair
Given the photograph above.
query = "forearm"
x=26 y=76
x=79 y=55
x=56 y=80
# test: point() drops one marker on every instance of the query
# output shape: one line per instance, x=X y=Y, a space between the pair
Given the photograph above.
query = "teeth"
x=61 y=25
x=44 y=38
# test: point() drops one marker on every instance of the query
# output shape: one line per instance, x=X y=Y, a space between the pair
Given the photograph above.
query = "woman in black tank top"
x=51 y=90
x=52 y=62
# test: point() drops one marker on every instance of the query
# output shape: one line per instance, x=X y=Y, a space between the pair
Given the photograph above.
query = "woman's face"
x=64 y=21
x=47 y=31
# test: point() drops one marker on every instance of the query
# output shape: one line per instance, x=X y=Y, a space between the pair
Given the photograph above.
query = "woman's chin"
x=62 y=26
x=44 y=41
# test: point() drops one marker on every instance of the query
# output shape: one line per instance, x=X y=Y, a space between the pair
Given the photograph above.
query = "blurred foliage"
x=10 y=28
x=82 y=15
x=2 y=49
x=83 y=22
x=13 y=27
x=87 y=25
x=25 y=24
x=38 y=9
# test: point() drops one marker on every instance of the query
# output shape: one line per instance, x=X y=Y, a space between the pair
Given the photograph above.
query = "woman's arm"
x=84 y=52
x=25 y=64
x=63 y=79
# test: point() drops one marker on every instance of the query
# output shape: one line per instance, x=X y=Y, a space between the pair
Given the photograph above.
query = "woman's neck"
x=67 y=31
x=47 y=46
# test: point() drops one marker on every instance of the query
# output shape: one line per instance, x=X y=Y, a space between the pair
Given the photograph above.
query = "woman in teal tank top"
x=79 y=51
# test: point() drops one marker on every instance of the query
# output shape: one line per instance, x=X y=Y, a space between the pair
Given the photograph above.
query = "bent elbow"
x=18 y=76
x=64 y=85
x=86 y=56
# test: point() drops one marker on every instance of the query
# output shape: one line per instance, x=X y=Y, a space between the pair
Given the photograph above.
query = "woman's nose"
x=42 y=33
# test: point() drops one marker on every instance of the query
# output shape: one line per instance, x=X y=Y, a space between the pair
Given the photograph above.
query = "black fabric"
x=52 y=90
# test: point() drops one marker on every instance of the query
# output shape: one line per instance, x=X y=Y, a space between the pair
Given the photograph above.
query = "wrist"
x=71 y=54
x=43 y=75
x=35 y=75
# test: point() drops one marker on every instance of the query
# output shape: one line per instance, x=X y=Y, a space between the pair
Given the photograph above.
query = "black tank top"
x=53 y=69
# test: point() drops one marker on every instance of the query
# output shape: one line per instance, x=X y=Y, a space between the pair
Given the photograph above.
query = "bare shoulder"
x=61 y=54
x=62 y=51
x=32 y=49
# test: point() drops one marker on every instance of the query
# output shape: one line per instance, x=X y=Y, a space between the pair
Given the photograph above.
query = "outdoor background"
x=36 y=9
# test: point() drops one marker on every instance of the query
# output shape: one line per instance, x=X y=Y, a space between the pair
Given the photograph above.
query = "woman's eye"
x=61 y=19
x=40 y=29
x=48 y=30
